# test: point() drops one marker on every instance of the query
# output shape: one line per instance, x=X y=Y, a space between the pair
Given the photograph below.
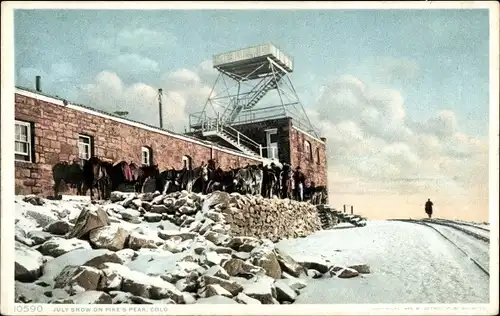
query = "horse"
x=69 y=174
x=169 y=180
x=95 y=174
x=286 y=177
x=269 y=181
x=145 y=172
x=196 y=178
x=248 y=180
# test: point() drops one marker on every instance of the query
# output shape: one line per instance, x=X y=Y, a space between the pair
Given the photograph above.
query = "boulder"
x=169 y=234
x=245 y=244
x=88 y=297
x=287 y=264
x=39 y=237
x=261 y=289
x=112 y=237
x=130 y=215
x=217 y=299
x=231 y=286
x=242 y=298
x=159 y=209
x=347 y=273
x=217 y=271
x=294 y=283
x=361 y=268
x=213 y=290
x=264 y=256
x=34 y=199
x=99 y=261
x=58 y=228
x=28 y=263
x=284 y=292
x=318 y=265
x=77 y=279
x=238 y=267
x=57 y=246
x=20 y=236
x=152 y=217
x=126 y=255
x=217 y=238
x=90 y=218
x=137 y=241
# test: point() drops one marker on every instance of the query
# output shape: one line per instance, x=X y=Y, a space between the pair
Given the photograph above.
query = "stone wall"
x=315 y=168
x=272 y=219
x=57 y=127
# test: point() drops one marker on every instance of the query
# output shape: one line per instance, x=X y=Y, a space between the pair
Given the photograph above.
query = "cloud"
x=133 y=64
x=374 y=149
x=184 y=92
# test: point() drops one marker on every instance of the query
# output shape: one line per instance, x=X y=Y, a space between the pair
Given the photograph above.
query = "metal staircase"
x=254 y=96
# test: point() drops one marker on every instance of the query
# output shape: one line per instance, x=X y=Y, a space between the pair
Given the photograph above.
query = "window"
x=318 y=160
x=146 y=156
x=23 y=142
x=307 y=150
x=84 y=147
x=186 y=162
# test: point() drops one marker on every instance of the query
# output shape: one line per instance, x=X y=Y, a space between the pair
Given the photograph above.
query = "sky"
x=402 y=96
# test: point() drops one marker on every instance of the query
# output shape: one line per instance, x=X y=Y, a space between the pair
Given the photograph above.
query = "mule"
x=69 y=174
x=96 y=176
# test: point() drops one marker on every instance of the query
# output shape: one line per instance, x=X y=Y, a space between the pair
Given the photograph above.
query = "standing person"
x=299 y=184
x=428 y=208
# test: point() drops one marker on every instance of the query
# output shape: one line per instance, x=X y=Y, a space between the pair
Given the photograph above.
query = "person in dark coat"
x=299 y=184
x=428 y=208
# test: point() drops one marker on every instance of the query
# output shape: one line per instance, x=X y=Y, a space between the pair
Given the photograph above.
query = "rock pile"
x=180 y=248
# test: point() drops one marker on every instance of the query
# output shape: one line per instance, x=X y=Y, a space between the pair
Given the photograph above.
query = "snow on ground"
x=410 y=264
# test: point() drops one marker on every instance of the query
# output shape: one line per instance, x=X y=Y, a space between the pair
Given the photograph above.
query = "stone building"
x=49 y=129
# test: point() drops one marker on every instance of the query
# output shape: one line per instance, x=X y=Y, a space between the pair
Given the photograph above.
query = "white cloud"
x=184 y=92
x=371 y=143
x=133 y=64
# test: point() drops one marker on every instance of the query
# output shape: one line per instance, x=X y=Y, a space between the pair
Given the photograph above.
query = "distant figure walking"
x=428 y=208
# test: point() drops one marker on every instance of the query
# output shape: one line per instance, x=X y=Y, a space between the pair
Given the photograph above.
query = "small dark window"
x=318 y=160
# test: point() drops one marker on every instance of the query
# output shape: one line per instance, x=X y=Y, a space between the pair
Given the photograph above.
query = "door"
x=272 y=143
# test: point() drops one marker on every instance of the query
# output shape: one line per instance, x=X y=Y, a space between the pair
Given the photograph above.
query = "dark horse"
x=194 y=180
x=96 y=175
x=146 y=172
x=169 y=181
x=69 y=174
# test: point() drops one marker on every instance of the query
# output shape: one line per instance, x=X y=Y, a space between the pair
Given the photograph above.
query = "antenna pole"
x=160 y=91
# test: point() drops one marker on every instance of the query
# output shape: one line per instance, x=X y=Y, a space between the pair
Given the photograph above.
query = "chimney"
x=37 y=84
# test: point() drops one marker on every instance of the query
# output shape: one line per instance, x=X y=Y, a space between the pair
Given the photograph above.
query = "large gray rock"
x=88 y=297
x=77 y=279
x=288 y=265
x=112 y=237
x=39 y=237
x=217 y=299
x=261 y=289
x=57 y=246
x=237 y=267
x=28 y=263
x=242 y=298
x=58 y=228
x=99 y=261
x=284 y=292
x=137 y=241
x=90 y=218
x=231 y=286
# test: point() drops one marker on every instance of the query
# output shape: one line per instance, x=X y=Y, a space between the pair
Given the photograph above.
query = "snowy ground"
x=410 y=264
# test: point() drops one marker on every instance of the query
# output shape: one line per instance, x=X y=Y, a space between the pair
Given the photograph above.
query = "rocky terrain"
x=181 y=248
